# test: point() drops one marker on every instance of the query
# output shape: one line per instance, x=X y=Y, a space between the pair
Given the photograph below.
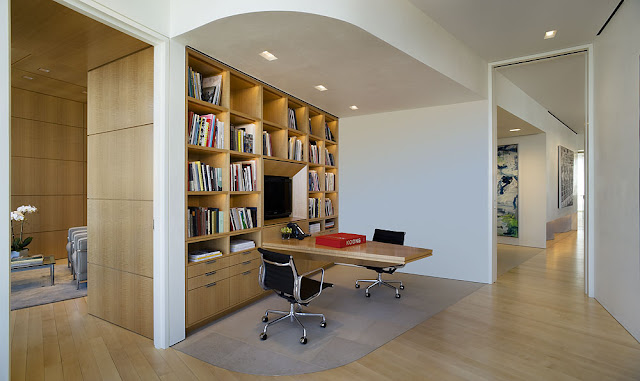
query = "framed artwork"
x=566 y=160
x=507 y=200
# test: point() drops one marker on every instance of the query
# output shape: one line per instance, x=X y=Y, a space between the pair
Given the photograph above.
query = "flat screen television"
x=277 y=197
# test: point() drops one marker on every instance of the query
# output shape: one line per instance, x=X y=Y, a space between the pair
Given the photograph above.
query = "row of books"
x=204 y=221
x=328 y=207
x=243 y=218
x=207 y=89
x=266 y=144
x=243 y=176
x=328 y=158
x=314 y=155
x=203 y=177
x=203 y=255
x=27 y=261
x=238 y=244
x=293 y=123
x=295 y=149
x=330 y=181
x=327 y=132
x=206 y=130
x=314 y=207
x=314 y=182
x=242 y=138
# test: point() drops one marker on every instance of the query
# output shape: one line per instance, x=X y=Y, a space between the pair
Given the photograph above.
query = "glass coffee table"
x=47 y=261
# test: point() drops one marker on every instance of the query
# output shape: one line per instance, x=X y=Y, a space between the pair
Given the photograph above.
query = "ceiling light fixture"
x=44 y=70
x=550 y=34
x=27 y=77
x=268 y=56
x=514 y=129
x=354 y=107
x=320 y=88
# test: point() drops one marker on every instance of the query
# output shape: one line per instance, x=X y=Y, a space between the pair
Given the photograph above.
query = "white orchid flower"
x=17 y=216
x=24 y=209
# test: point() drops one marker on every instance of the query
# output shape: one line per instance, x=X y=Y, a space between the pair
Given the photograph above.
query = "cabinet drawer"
x=207 y=278
x=207 y=266
x=244 y=266
x=207 y=301
x=244 y=286
x=243 y=256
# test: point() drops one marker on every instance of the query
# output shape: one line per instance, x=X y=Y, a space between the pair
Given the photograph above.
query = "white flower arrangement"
x=19 y=215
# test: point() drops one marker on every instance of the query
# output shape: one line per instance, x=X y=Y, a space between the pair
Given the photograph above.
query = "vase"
x=15 y=254
x=286 y=235
x=24 y=252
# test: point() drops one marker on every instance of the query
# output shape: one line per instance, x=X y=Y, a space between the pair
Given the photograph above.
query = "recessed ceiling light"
x=550 y=34
x=27 y=77
x=514 y=129
x=44 y=70
x=320 y=88
x=268 y=56
x=354 y=107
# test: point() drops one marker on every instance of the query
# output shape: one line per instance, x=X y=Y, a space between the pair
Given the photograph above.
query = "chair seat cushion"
x=385 y=270
x=309 y=287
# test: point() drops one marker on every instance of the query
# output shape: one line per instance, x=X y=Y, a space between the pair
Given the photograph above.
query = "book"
x=328 y=158
x=295 y=148
x=266 y=144
x=243 y=176
x=242 y=138
x=314 y=156
x=314 y=227
x=314 y=182
x=329 y=224
x=203 y=255
x=203 y=177
x=211 y=89
x=328 y=207
x=314 y=207
x=327 y=132
x=243 y=218
x=241 y=244
x=330 y=182
x=203 y=221
x=205 y=130
x=293 y=123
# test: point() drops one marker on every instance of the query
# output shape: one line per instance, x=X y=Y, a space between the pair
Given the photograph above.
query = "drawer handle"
x=246 y=263
x=246 y=272
x=210 y=273
x=211 y=261
x=246 y=252
x=210 y=285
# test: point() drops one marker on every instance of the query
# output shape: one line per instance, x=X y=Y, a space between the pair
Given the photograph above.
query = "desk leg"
x=52 y=274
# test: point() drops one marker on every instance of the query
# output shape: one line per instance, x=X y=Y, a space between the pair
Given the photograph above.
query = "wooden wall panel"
x=46 y=108
x=33 y=176
x=54 y=212
x=49 y=243
x=125 y=85
x=123 y=232
x=121 y=164
x=31 y=138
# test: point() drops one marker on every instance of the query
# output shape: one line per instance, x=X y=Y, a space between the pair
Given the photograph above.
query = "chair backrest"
x=278 y=272
x=73 y=230
x=389 y=236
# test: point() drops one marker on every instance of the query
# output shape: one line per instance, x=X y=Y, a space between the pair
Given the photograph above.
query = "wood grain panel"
x=121 y=93
x=30 y=176
x=54 y=212
x=121 y=235
x=31 y=138
x=49 y=243
x=46 y=85
x=46 y=108
x=120 y=164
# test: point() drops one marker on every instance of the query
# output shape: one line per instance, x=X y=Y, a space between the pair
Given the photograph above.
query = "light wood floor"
x=535 y=323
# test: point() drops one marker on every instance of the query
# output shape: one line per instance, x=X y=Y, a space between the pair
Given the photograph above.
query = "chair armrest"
x=313 y=272
x=297 y=291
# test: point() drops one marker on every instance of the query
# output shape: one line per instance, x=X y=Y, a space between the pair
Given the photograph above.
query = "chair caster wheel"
x=367 y=295
x=263 y=336
x=402 y=287
x=323 y=324
x=397 y=296
x=265 y=319
x=357 y=285
x=303 y=340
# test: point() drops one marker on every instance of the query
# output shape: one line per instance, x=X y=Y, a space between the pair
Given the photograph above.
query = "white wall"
x=513 y=99
x=423 y=171
x=532 y=187
x=617 y=153
x=5 y=190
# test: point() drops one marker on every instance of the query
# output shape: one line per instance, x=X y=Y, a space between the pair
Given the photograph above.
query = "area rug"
x=356 y=325
x=511 y=256
x=33 y=287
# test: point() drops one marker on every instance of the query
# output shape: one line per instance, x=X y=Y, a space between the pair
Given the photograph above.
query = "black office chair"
x=278 y=273
x=386 y=236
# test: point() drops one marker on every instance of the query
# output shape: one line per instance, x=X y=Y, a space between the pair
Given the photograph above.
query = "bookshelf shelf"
x=250 y=112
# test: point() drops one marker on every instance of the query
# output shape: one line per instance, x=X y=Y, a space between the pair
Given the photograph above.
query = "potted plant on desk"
x=19 y=245
x=286 y=232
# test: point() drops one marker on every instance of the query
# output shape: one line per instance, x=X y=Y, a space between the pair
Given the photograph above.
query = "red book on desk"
x=340 y=240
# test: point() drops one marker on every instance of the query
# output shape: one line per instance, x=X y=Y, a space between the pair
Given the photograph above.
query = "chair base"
x=378 y=282
x=293 y=314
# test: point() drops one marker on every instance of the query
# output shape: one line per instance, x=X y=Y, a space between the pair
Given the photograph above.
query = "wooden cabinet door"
x=244 y=286
x=207 y=300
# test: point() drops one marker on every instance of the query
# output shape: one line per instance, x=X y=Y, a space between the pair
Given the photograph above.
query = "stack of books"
x=330 y=181
x=328 y=158
x=327 y=132
x=26 y=261
x=241 y=244
x=314 y=227
x=195 y=84
x=314 y=182
x=266 y=144
x=314 y=207
x=295 y=149
x=211 y=89
x=243 y=218
x=243 y=176
x=206 y=130
x=204 y=221
x=202 y=177
x=314 y=156
x=293 y=123
x=203 y=255
x=329 y=224
x=328 y=207
x=242 y=138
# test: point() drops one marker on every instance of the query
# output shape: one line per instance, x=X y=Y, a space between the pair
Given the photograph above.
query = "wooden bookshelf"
x=247 y=101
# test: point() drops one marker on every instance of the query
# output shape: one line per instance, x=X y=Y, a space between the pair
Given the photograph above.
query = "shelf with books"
x=316 y=123
x=245 y=96
x=203 y=193
x=330 y=184
x=297 y=116
x=207 y=81
x=316 y=177
x=330 y=207
x=316 y=149
x=204 y=107
x=330 y=157
x=331 y=129
x=206 y=172
x=297 y=150
x=277 y=138
x=193 y=148
x=274 y=107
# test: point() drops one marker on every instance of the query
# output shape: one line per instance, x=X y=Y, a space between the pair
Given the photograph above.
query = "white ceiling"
x=558 y=84
x=357 y=67
x=507 y=121
x=501 y=29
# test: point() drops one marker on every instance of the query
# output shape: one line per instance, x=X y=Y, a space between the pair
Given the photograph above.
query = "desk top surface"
x=369 y=253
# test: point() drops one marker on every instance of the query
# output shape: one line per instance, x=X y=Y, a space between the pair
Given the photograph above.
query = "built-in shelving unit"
x=226 y=283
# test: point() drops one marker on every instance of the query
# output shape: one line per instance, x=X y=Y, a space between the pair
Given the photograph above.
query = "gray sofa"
x=77 y=252
x=72 y=232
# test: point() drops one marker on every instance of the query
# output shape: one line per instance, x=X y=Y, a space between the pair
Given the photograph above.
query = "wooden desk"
x=368 y=254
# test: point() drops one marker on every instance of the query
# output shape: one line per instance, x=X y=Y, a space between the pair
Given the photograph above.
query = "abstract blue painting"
x=508 y=190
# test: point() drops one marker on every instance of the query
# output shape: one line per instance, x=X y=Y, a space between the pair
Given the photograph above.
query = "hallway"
x=534 y=323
